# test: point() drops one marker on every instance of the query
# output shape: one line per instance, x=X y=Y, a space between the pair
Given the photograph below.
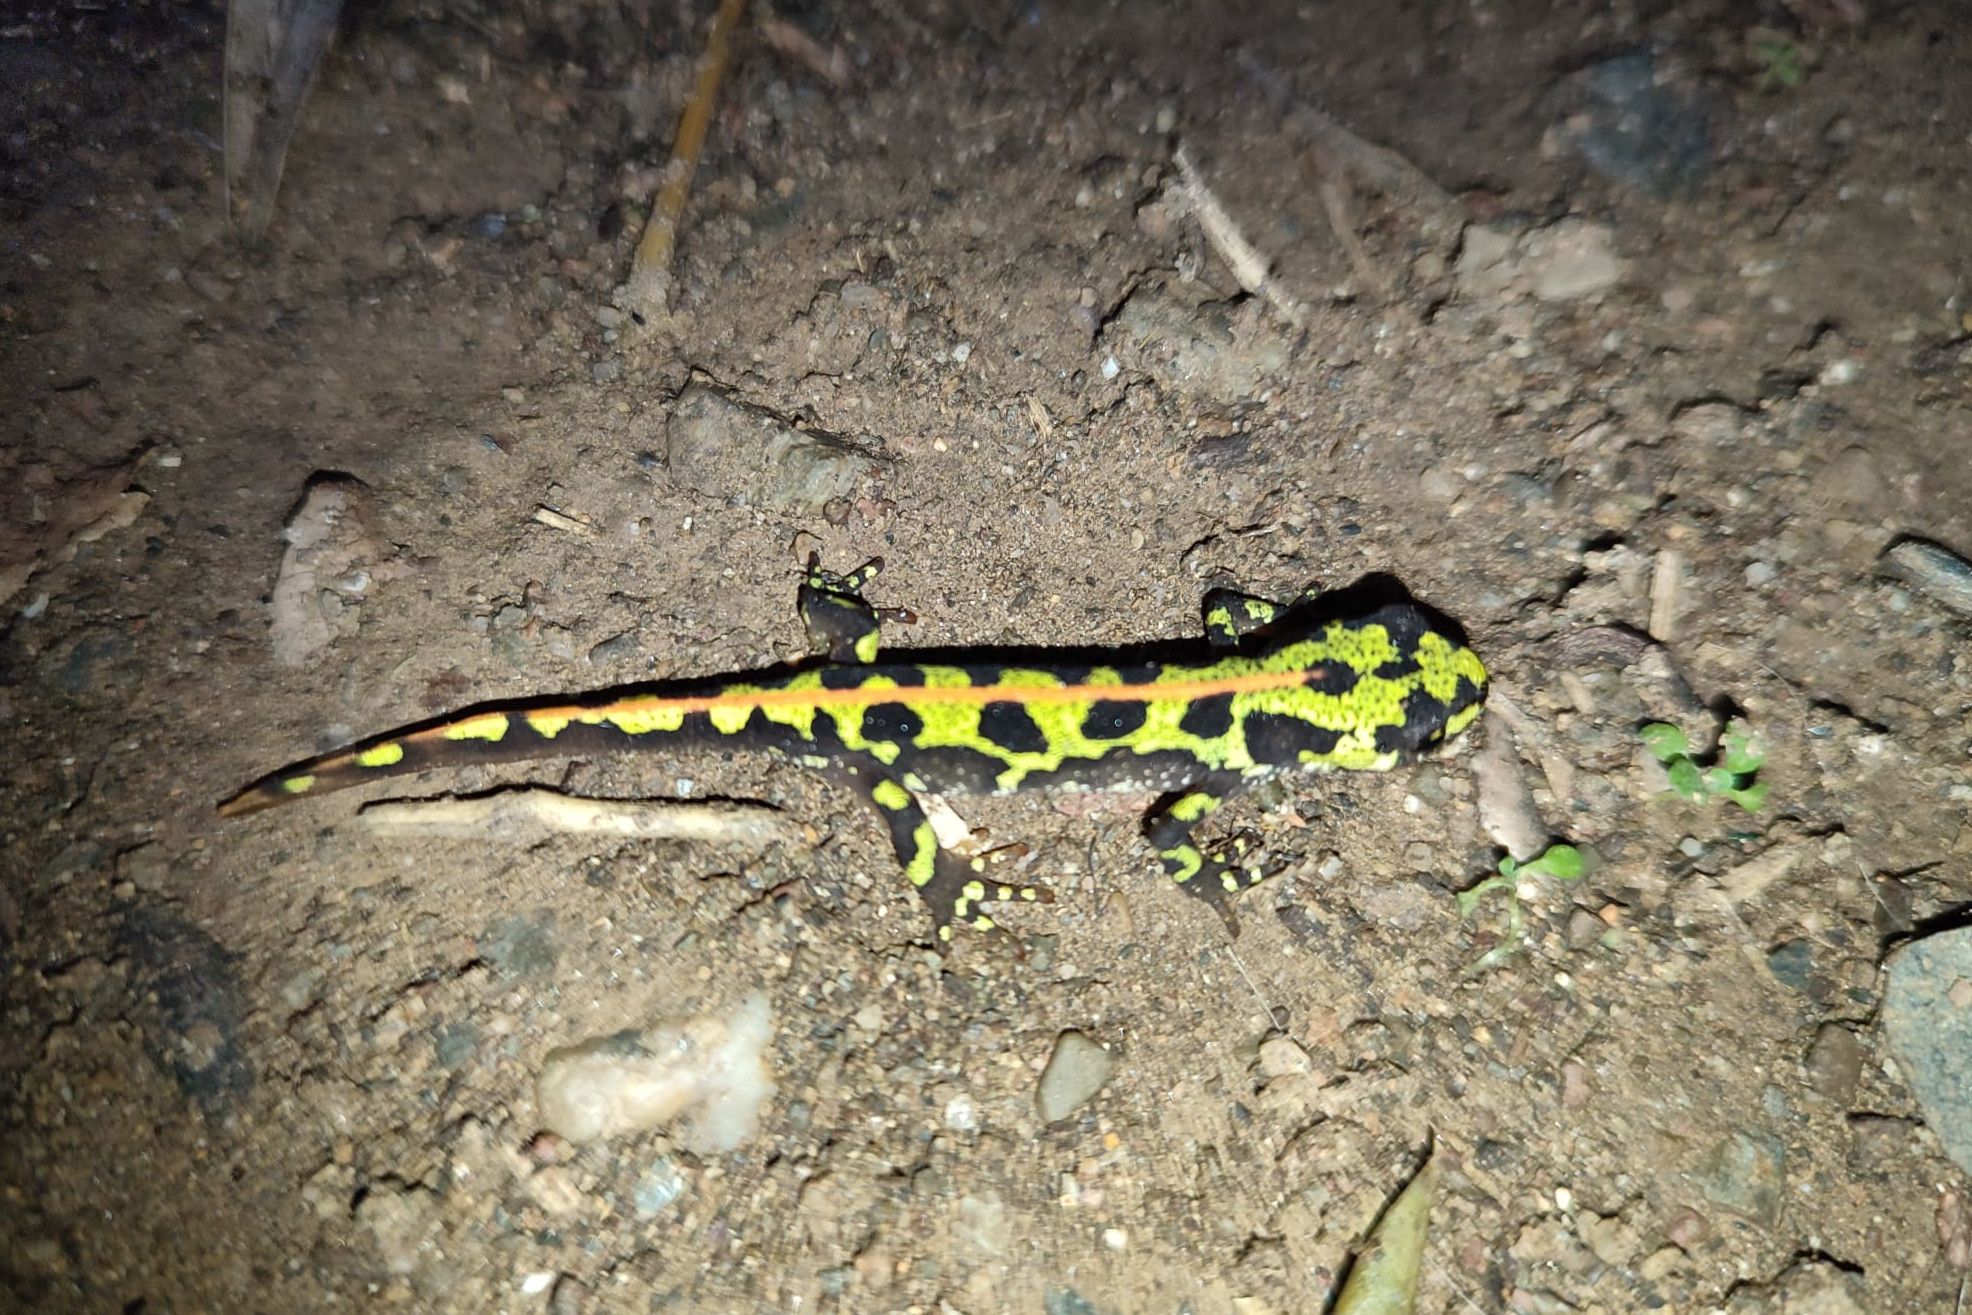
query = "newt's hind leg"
x=951 y=886
x=1230 y=616
x=840 y=623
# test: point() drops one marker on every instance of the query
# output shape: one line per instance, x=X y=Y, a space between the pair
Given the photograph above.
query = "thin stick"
x=1248 y=265
x=525 y=813
x=1666 y=587
x=649 y=286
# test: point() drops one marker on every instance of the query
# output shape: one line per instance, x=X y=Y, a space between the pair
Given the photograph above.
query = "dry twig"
x=556 y=520
x=648 y=290
x=1247 y=264
x=1335 y=153
x=521 y=814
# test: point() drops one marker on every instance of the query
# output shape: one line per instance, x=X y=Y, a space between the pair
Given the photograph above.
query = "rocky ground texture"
x=1661 y=390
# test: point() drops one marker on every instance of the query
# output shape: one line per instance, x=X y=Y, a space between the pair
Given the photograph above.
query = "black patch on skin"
x=1010 y=726
x=1208 y=718
x=1336 y=678
x=1422 y=715
x=822 y=740
x=1465 y=695
x=898 y=723
x=1404 y=664
x=856 y=677
x=761 y=732
x=953 y=770
x=1280 y=741
x=1404 y=624
x=902 y=823
x=1167 y=770
x=1138 y=673
x=1112 y=719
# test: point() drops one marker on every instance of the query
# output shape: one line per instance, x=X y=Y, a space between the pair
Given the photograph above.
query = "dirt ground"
x=1700 y=359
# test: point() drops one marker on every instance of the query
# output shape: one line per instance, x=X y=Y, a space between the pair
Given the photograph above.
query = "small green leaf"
x=1664 y=741
x=1717 y=780
x=1562 y=862
x=1686 y=779
x=1743 y=753
x=1749 y=797
x=1508 y=866
x=1383 y=1280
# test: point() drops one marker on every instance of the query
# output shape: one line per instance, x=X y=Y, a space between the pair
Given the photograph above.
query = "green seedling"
x=1730 y=774
x=1782 y=65
x=1561 y=862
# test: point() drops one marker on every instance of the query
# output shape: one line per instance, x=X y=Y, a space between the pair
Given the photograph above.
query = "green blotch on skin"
x=1193 y=807
x=891 y=795
x=924 y=855
x=492 y=727
x=298 y=784
x=381 y=755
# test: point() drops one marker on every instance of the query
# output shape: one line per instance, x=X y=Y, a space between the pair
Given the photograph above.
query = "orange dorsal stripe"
x=861 y=696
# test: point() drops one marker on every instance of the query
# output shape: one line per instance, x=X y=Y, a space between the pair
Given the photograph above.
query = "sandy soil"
x=285 y=1064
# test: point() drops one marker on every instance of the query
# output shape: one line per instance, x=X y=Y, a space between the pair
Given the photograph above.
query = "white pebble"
x=962 y=1114
x=1115 y=1239
x=1111 y=367
x=707 y=1070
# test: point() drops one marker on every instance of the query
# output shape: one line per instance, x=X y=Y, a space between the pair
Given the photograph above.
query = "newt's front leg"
x=839 y=622
x=1231 y=616
x=1215 y=875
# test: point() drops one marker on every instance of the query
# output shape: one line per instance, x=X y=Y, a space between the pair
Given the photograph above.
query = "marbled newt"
x=1315 y=683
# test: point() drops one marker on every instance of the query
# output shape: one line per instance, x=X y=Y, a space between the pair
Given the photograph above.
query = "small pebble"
x=962 y=1114
x=1835 y=1063
x=1281 y=1055
x=659 y=1186
x=1933 y=570
x=1584 y=929
x=1076 y=1071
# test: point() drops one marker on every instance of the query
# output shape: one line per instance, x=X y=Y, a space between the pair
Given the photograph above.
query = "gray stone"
x=983 y=1225
x=1076 y=1071
x=1927 y=1016
x=1747 y=1174
x=1935 y=570
x=1835 y=1063
x=1196 y=346
x=1572 y=260
x=657 y=1187
x=747 y=456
